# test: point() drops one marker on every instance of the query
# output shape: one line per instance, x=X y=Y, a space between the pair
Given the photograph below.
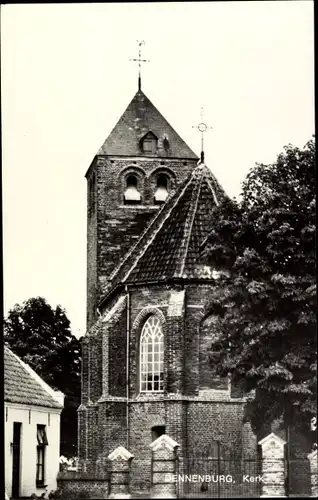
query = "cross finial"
x=139 y=60
x=202 y=127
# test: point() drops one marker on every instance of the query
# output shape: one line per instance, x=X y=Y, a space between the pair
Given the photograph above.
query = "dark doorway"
x=16 y=451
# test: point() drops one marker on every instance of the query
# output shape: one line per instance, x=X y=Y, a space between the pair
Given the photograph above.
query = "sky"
x=67 y=78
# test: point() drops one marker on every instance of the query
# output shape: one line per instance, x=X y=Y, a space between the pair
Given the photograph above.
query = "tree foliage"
x=264 y=249
x=41 y=336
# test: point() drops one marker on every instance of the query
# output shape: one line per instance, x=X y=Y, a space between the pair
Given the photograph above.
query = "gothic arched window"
x=161 y=193
x=151 y=356
x=132 y=195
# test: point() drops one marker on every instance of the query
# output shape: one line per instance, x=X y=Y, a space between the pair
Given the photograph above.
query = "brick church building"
x=149 y=329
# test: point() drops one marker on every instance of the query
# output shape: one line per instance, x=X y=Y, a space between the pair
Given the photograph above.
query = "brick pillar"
x=120 y=461
x=273 y=466
x=163 y=470
x=312 y=457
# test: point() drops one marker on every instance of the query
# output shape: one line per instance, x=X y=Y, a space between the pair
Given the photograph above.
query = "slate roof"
x=20 y=386
x=170 y=245
x=140 y=117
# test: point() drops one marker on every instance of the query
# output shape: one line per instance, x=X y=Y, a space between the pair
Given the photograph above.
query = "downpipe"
x=127 y=365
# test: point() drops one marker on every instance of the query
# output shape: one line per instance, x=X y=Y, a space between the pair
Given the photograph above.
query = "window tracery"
x=151 y=356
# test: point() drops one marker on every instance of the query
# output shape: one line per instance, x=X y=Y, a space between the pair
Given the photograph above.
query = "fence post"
x=163 y=471
x=120 y=460
x=273 y=466
x=312 y=457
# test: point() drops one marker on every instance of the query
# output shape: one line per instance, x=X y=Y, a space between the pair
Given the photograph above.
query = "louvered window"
x=149 y=145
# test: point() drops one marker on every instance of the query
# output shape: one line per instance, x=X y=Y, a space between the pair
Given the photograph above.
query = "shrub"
x=68 y=495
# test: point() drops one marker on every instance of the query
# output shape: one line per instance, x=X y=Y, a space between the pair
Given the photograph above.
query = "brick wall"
x=91 y=277
x=117 y=357
x=112 y=426
x=96 y=484
x=224 y=424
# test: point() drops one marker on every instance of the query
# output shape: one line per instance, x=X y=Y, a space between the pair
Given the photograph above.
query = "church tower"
x=141 y=162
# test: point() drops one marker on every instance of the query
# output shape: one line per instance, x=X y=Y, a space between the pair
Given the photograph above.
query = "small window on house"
x=161 y=193
x=40 y=455
x=151 y=356
x=157 y=431
x=149 y=144
x=132 y=195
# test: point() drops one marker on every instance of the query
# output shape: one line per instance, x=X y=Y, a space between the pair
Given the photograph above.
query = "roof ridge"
x=57 y=395
x=213 y=192
x=118 y=306
x=191 y=224
x=212 y=179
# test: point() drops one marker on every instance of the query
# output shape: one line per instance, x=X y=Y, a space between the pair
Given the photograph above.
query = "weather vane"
x=202 y=127
x=139 y=61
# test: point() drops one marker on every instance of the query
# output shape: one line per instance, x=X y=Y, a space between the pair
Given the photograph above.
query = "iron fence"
x=218 y=475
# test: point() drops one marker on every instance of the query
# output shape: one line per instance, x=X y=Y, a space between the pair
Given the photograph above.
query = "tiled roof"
x=21 y=386
x=140 y=117
x=170 y=245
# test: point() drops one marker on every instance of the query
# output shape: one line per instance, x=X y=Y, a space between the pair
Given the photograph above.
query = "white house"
x=32 y=430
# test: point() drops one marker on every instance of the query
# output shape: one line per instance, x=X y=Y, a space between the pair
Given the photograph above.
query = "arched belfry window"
x=132 y=194
x=161 y=193
x=151 y=356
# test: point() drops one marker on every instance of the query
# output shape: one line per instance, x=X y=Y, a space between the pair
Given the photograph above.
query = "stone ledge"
x=173 y=397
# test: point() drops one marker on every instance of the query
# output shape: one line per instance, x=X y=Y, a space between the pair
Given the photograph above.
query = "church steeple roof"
x=141 y=117
x=170 y=246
